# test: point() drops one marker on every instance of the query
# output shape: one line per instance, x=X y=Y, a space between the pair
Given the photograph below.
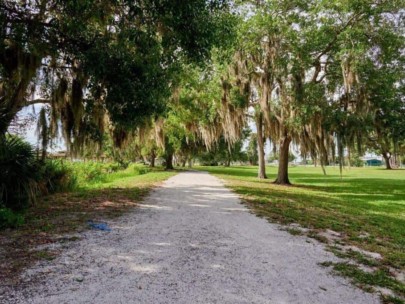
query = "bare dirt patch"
x=57 y=220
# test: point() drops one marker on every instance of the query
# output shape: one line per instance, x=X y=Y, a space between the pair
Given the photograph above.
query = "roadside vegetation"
x=360 y=216
x=97 y=192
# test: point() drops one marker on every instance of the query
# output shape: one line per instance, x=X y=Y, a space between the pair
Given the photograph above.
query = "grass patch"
x=294 y=231
x=377 y=278
x=387 y=299
x=355 y=256
x=366 y=206
x=63 y=213
x=45 y=255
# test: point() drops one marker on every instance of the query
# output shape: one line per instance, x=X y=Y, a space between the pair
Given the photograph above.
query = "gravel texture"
x=190 y=241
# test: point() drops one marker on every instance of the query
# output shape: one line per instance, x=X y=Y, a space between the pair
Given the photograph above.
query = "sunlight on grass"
x=365 y=206
x=126 y=180
x=363 y=200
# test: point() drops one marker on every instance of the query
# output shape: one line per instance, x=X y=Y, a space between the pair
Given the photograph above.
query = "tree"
x=301 y=67
x=326 y=76
x=101 y=65
x=203 y=113
x=386 y=87
x=260 y=145
x=43 y=133
x=223 y=154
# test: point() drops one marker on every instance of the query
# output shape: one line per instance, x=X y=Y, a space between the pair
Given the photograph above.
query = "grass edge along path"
x=58 y=218
x=359 y=216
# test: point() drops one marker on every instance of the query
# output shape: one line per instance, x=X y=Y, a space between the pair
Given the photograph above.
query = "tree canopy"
x=100 y=64
x=183 y=77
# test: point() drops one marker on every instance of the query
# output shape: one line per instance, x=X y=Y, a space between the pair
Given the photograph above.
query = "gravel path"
x=191 y=241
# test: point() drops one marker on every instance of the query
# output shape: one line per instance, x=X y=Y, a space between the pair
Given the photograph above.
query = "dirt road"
x=191 y=241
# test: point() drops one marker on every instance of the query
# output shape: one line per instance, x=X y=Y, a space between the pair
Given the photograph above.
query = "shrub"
x=113 y=167
x=23 y=177
x=87 y=171
x=356 y=161
x=18 y=173
x=56 y=176
x=10 y=219
x=93 y=172
x=96 y=172
x=138 y=169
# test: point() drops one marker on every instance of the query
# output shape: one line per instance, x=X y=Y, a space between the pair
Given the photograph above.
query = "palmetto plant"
x=18 y=171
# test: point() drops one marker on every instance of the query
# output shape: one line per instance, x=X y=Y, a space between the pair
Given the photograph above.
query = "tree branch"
x=330 y=45
x=36 y=101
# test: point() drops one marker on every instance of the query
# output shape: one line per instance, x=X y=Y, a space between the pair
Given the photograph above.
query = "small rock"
x=79 y=279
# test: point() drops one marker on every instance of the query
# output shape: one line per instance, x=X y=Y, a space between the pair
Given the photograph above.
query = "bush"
x=113 y=167
x=56 y=176
x=23 y=177
x=356 y=161
x=10 y=219
x=93 y=172
x=138 y=169
x=18 y=173
x=96 y=172
x=88 y=171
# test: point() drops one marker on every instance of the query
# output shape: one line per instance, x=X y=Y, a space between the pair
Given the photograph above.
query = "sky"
x=30 y=133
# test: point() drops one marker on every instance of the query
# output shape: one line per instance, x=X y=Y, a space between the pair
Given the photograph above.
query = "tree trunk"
x=152 y=159
x=190 y=162
x=169 y=160
x=183 y=162
x=43 y=154
x=387 y=157
x=15 y=100
x=282 y=176
x=228 y=158
x=260 y=147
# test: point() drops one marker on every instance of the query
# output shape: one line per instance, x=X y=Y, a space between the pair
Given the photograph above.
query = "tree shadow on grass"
x=371 y=201
x=379 y=216
x=346 y=187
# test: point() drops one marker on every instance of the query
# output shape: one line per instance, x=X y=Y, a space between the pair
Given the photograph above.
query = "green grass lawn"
x=366 y=205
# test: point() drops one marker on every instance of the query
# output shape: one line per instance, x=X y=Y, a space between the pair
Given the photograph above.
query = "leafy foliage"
x=97 y=59
x=10 y=219
x=223 y=154
x=252 y=155
x=55 y=176
x=18 y=173
x=93 y=172
x=23 y=177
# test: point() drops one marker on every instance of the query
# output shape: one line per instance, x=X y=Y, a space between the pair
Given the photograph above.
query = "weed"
x=45 y=255
x=294 y=231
